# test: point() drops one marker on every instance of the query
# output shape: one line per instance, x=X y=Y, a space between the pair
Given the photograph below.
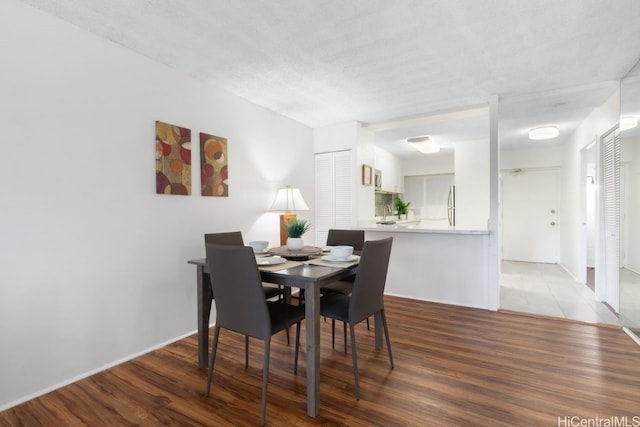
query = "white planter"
x=294 y=243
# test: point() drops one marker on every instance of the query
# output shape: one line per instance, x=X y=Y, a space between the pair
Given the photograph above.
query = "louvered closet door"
x=334 y=193
x=610 y=167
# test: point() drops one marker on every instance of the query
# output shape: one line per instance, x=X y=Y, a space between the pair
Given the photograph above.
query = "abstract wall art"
x=173 y=159
x=214 y=166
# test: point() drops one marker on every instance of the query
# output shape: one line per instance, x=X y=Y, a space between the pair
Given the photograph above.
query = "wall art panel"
x=173 y=159
x=214 y=165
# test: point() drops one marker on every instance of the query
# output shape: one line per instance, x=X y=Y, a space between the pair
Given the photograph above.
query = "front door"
x=530 y=216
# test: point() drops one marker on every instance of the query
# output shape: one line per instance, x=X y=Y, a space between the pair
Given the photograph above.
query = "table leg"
x=205 y=296
x=312 y=313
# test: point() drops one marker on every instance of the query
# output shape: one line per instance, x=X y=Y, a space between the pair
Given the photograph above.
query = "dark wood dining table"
x=304 y=276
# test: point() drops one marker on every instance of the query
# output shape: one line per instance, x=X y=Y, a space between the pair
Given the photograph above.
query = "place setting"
x=337 y=256
x=268 y=261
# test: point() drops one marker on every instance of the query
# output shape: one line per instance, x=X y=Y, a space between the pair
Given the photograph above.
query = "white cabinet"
x=391 y=168
x=334 y=193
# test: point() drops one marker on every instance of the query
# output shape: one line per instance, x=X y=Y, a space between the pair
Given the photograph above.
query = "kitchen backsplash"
x=385 y=199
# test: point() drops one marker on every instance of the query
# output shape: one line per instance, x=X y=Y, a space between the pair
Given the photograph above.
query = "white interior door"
x=530 y=216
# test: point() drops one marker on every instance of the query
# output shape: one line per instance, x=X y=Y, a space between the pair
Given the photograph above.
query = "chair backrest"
x=236 y=284
x=233 y=238
x=368 y=288
x=353 y=238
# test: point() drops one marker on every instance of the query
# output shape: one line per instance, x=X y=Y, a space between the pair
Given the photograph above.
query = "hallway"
x=547 y=290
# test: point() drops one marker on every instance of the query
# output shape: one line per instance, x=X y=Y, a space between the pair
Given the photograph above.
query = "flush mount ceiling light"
x=424 y=144
x=627 y=123
x=545 y=132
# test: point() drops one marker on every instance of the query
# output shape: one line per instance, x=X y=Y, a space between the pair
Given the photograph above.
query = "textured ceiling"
x=323 y=62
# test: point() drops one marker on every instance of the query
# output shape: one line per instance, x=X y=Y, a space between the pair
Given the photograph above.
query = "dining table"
x=309 y=275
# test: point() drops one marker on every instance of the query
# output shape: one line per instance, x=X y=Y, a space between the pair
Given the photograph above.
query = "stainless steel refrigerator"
x=433 y=199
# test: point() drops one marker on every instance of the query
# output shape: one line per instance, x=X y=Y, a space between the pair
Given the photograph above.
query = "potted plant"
x=295 y=229
x=402 y=207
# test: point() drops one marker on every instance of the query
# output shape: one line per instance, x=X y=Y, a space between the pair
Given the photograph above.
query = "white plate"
x=272 y=260
x=334 y=259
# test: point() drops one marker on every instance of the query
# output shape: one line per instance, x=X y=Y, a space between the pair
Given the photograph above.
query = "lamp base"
x=284 y=219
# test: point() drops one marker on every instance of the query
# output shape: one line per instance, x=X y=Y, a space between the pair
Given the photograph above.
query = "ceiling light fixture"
x=545 y=132
x=424 y=144
x=627 y=123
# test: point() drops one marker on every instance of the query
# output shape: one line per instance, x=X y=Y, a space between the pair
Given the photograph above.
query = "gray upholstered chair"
x=242 y=308
x=234 y=238
x=338 y=237
x=366 y=299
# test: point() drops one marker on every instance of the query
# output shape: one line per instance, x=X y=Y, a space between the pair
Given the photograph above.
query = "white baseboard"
x=92 y=372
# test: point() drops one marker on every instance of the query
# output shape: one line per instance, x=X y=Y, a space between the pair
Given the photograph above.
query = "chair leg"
x=288 y=339
x=333 y=333
x=265 y=379
x=386 y=334
x=212 y=359
x=344 y=324
x=354 y=357
x=246 y=351
x=295 y=360
x=368 y=327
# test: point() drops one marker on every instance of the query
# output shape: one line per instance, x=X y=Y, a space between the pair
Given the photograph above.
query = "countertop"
x=416 y=226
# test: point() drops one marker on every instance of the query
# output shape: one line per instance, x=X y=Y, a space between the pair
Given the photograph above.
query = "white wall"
x=338 y=137
x=572 y=200
x=93 y=263
x=429 y=165
x=366 y=193
x=542 y=157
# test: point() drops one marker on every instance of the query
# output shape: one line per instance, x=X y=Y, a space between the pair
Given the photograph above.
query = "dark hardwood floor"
x=454 y=366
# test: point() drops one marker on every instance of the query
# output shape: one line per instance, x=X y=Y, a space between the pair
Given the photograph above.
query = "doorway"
x=588 y=247
x=530 y=216
x=531 y=279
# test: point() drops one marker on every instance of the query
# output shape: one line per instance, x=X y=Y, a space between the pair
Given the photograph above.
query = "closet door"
x=334 y=193
x=610 y=167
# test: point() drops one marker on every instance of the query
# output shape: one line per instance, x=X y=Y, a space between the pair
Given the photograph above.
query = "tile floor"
x=548 y=290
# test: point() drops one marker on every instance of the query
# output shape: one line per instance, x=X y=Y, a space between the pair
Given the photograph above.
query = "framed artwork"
x=173 y=159
x=377 y=174
x=214 y=172
x=366 y=174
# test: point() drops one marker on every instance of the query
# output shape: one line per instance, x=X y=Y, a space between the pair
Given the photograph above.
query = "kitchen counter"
x=438 y=264
x=417 y=226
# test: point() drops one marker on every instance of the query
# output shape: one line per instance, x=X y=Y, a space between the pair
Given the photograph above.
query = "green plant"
x=297 y=227
x=402 y=207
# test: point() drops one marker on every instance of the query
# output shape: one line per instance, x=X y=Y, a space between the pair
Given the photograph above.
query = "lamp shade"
x=289 y=199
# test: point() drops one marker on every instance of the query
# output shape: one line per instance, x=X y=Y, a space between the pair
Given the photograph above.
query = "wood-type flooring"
x=454 y=366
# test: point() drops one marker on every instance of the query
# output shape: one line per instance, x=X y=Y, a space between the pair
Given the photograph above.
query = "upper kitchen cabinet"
x=391 y=170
